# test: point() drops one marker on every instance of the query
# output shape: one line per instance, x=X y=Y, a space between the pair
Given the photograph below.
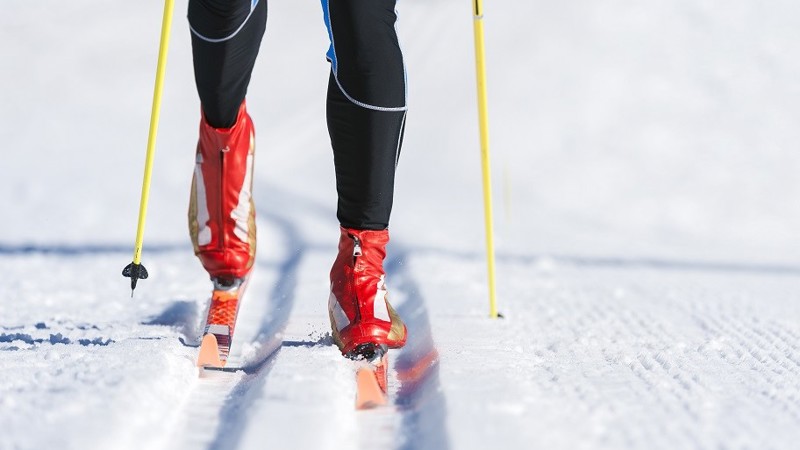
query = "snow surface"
x=645 y=174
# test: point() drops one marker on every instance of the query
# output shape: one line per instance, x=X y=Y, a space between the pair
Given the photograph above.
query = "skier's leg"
x=366 y=115
x=366 y=107
x=226 y=35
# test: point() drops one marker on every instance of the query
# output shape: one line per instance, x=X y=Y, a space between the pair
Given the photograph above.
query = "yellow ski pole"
x=483 y=120
x=136 y=270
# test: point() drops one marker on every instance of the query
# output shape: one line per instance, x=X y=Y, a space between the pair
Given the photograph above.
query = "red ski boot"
x=221 y=212
x=222 y=226
x=358 y=306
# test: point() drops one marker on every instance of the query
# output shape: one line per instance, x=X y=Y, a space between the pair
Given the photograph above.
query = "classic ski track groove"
x=221 y=404
x=419 y=403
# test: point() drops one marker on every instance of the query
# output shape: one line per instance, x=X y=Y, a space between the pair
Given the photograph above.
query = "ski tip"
x=209 y=353
x=369 y=393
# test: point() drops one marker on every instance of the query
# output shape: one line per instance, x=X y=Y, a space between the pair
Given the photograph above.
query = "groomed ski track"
x=292 y=375
x=619 y=354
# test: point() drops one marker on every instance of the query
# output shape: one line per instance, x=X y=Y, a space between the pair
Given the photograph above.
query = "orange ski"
x=220 y=324
x=372 y=381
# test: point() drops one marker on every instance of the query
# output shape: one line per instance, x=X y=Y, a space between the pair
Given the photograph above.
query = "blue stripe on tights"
x=331 y=55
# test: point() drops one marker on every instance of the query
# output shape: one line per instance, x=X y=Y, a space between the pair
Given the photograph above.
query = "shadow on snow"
x=84 y=249
x=183 y=315
x=613 y=262
x=420 y=400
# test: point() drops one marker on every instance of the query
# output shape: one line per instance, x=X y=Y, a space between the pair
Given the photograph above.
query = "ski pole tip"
x=135 y=272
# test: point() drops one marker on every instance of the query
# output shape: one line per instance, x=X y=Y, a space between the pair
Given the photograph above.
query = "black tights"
x=366 y=104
